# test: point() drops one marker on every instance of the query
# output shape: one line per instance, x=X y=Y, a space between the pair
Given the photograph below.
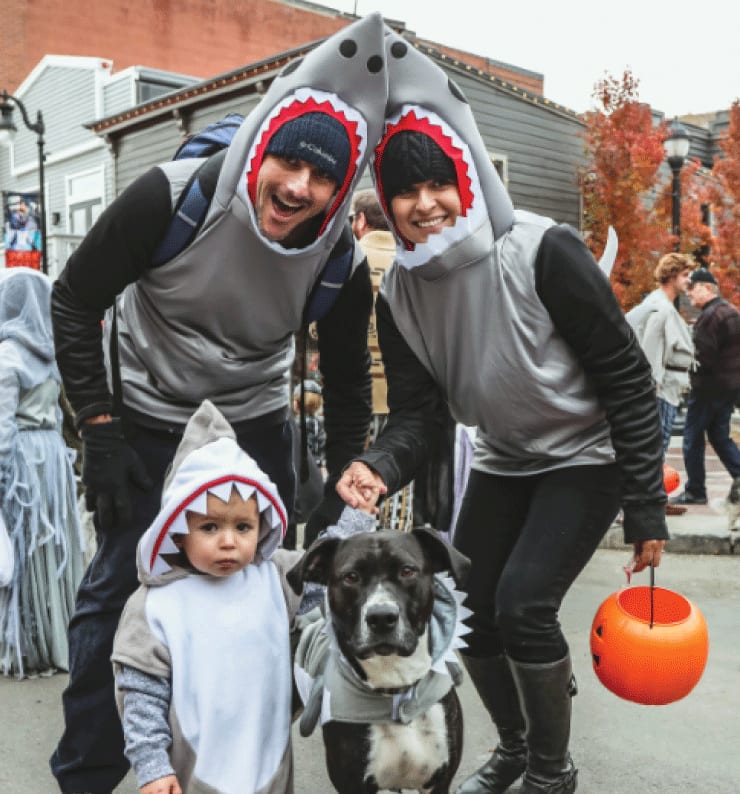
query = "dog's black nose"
x=382 y=618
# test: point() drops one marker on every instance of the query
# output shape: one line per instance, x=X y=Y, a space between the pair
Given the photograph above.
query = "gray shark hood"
x=422 y=98
x=344 y=77
x=208 y=460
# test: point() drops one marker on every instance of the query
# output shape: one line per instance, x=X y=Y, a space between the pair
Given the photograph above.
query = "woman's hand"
x=165 y=785
x=360 y=487
x=645 y=553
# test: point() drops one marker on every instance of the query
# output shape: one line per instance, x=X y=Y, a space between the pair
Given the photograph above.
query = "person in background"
x=715 y=387
x=370 y=228
x=666 y=341
x=215 y=322
x=308 y=462
x=38 y=500
x=212 y=591
x=505 y=317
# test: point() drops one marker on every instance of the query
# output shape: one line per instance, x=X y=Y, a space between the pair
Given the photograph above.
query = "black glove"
x=108 y=463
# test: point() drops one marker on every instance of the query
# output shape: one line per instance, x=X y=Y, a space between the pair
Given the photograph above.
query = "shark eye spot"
x=398 y=49
x=348 y=48
x=291 y=67
x=455 y=91
x=374 y=64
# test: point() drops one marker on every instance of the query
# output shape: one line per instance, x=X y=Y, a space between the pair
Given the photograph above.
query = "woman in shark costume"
x=505 y=316
x=217 y=321
x=203 y=662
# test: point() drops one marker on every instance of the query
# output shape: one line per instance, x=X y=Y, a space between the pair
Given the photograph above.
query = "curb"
x=711 y=542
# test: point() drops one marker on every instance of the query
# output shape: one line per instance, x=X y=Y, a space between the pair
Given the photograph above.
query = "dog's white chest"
x=406 y=756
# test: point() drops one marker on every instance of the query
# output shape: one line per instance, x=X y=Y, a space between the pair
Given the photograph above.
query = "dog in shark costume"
x=505 y=317
x=203 y=662
x=379 y=671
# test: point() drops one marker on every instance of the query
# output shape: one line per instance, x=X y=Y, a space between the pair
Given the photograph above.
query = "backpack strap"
x=190 y=210
x=335 y=273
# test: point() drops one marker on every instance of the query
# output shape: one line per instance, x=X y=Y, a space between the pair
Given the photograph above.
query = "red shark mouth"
x=290 y=112
x=413 y=123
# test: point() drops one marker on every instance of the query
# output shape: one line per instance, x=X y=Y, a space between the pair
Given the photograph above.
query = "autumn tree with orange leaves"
x=723 y=195
x=622 y=187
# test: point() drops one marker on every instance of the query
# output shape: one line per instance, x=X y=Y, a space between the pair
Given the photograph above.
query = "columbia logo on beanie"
x=316 y=138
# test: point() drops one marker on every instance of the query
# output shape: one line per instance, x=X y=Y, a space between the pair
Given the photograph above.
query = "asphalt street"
x=619 y=747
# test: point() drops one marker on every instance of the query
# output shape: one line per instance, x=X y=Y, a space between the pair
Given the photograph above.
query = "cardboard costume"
x=203 y=659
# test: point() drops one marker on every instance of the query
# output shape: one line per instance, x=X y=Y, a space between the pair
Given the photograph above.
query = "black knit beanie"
x=411 y=157
x=316 y=138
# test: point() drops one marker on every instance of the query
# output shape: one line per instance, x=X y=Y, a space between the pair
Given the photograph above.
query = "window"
x=500 y=163
x=84 y=200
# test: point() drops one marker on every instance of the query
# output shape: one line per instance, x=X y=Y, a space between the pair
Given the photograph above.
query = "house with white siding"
x=78 y=165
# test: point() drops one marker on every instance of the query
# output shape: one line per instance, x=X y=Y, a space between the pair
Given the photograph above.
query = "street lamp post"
x=8 y=130
x=676 y=147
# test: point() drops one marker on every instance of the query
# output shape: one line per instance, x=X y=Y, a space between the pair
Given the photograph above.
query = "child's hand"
x=165 y=785
x=369 y=495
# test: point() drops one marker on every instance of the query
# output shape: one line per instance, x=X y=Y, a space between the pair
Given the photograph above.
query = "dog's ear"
x=314 y=564
x=443 y=556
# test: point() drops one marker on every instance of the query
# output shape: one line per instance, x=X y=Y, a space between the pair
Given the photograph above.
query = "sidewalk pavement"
x=702 y=529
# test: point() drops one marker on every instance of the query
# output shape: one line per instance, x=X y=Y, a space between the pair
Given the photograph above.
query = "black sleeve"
x=344 y=361
x=418 y=410
x=585 y=312
x=113 y=254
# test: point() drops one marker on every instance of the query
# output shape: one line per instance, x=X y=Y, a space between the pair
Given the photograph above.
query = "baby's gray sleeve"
x=146 y=725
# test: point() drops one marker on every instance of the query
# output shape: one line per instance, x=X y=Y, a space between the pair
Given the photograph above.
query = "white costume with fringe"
x=215 y=648
x=37 y=484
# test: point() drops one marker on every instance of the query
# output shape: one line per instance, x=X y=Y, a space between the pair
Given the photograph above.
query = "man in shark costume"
x=217 y=321
x=203 y=662
x=506 y=317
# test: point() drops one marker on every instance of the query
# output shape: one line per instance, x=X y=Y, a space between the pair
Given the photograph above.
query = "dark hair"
x=411 y=157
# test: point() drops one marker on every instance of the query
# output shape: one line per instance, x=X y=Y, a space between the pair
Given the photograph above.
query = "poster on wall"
x=21 y=229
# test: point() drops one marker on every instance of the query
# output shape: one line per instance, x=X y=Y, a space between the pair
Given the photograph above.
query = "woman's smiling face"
x=426 y=208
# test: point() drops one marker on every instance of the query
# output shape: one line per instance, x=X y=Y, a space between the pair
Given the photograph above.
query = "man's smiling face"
x=289 y=193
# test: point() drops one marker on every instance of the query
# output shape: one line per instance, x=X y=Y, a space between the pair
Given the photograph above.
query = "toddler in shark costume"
x=506 y=317
x=215 y=322
x=202 y=652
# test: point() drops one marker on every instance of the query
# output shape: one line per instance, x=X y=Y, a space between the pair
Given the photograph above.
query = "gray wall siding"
x=141 y=149
x=58 y=90
x=118 y=95
x=543 y=148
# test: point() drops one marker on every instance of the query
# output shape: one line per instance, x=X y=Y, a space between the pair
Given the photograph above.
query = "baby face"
x=224 y=540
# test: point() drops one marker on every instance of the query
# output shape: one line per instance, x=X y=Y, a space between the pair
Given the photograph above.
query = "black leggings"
x=528 y=539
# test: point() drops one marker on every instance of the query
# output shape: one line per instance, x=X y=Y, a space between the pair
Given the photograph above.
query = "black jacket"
x=717 y=351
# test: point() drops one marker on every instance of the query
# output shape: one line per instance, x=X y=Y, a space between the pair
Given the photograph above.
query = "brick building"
x=195 y=37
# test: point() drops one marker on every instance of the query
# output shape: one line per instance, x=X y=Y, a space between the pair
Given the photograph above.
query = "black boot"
x=496 y=687
x=546 y=691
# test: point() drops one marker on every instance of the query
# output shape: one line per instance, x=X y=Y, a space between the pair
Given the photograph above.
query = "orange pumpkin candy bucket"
x=649 y=645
